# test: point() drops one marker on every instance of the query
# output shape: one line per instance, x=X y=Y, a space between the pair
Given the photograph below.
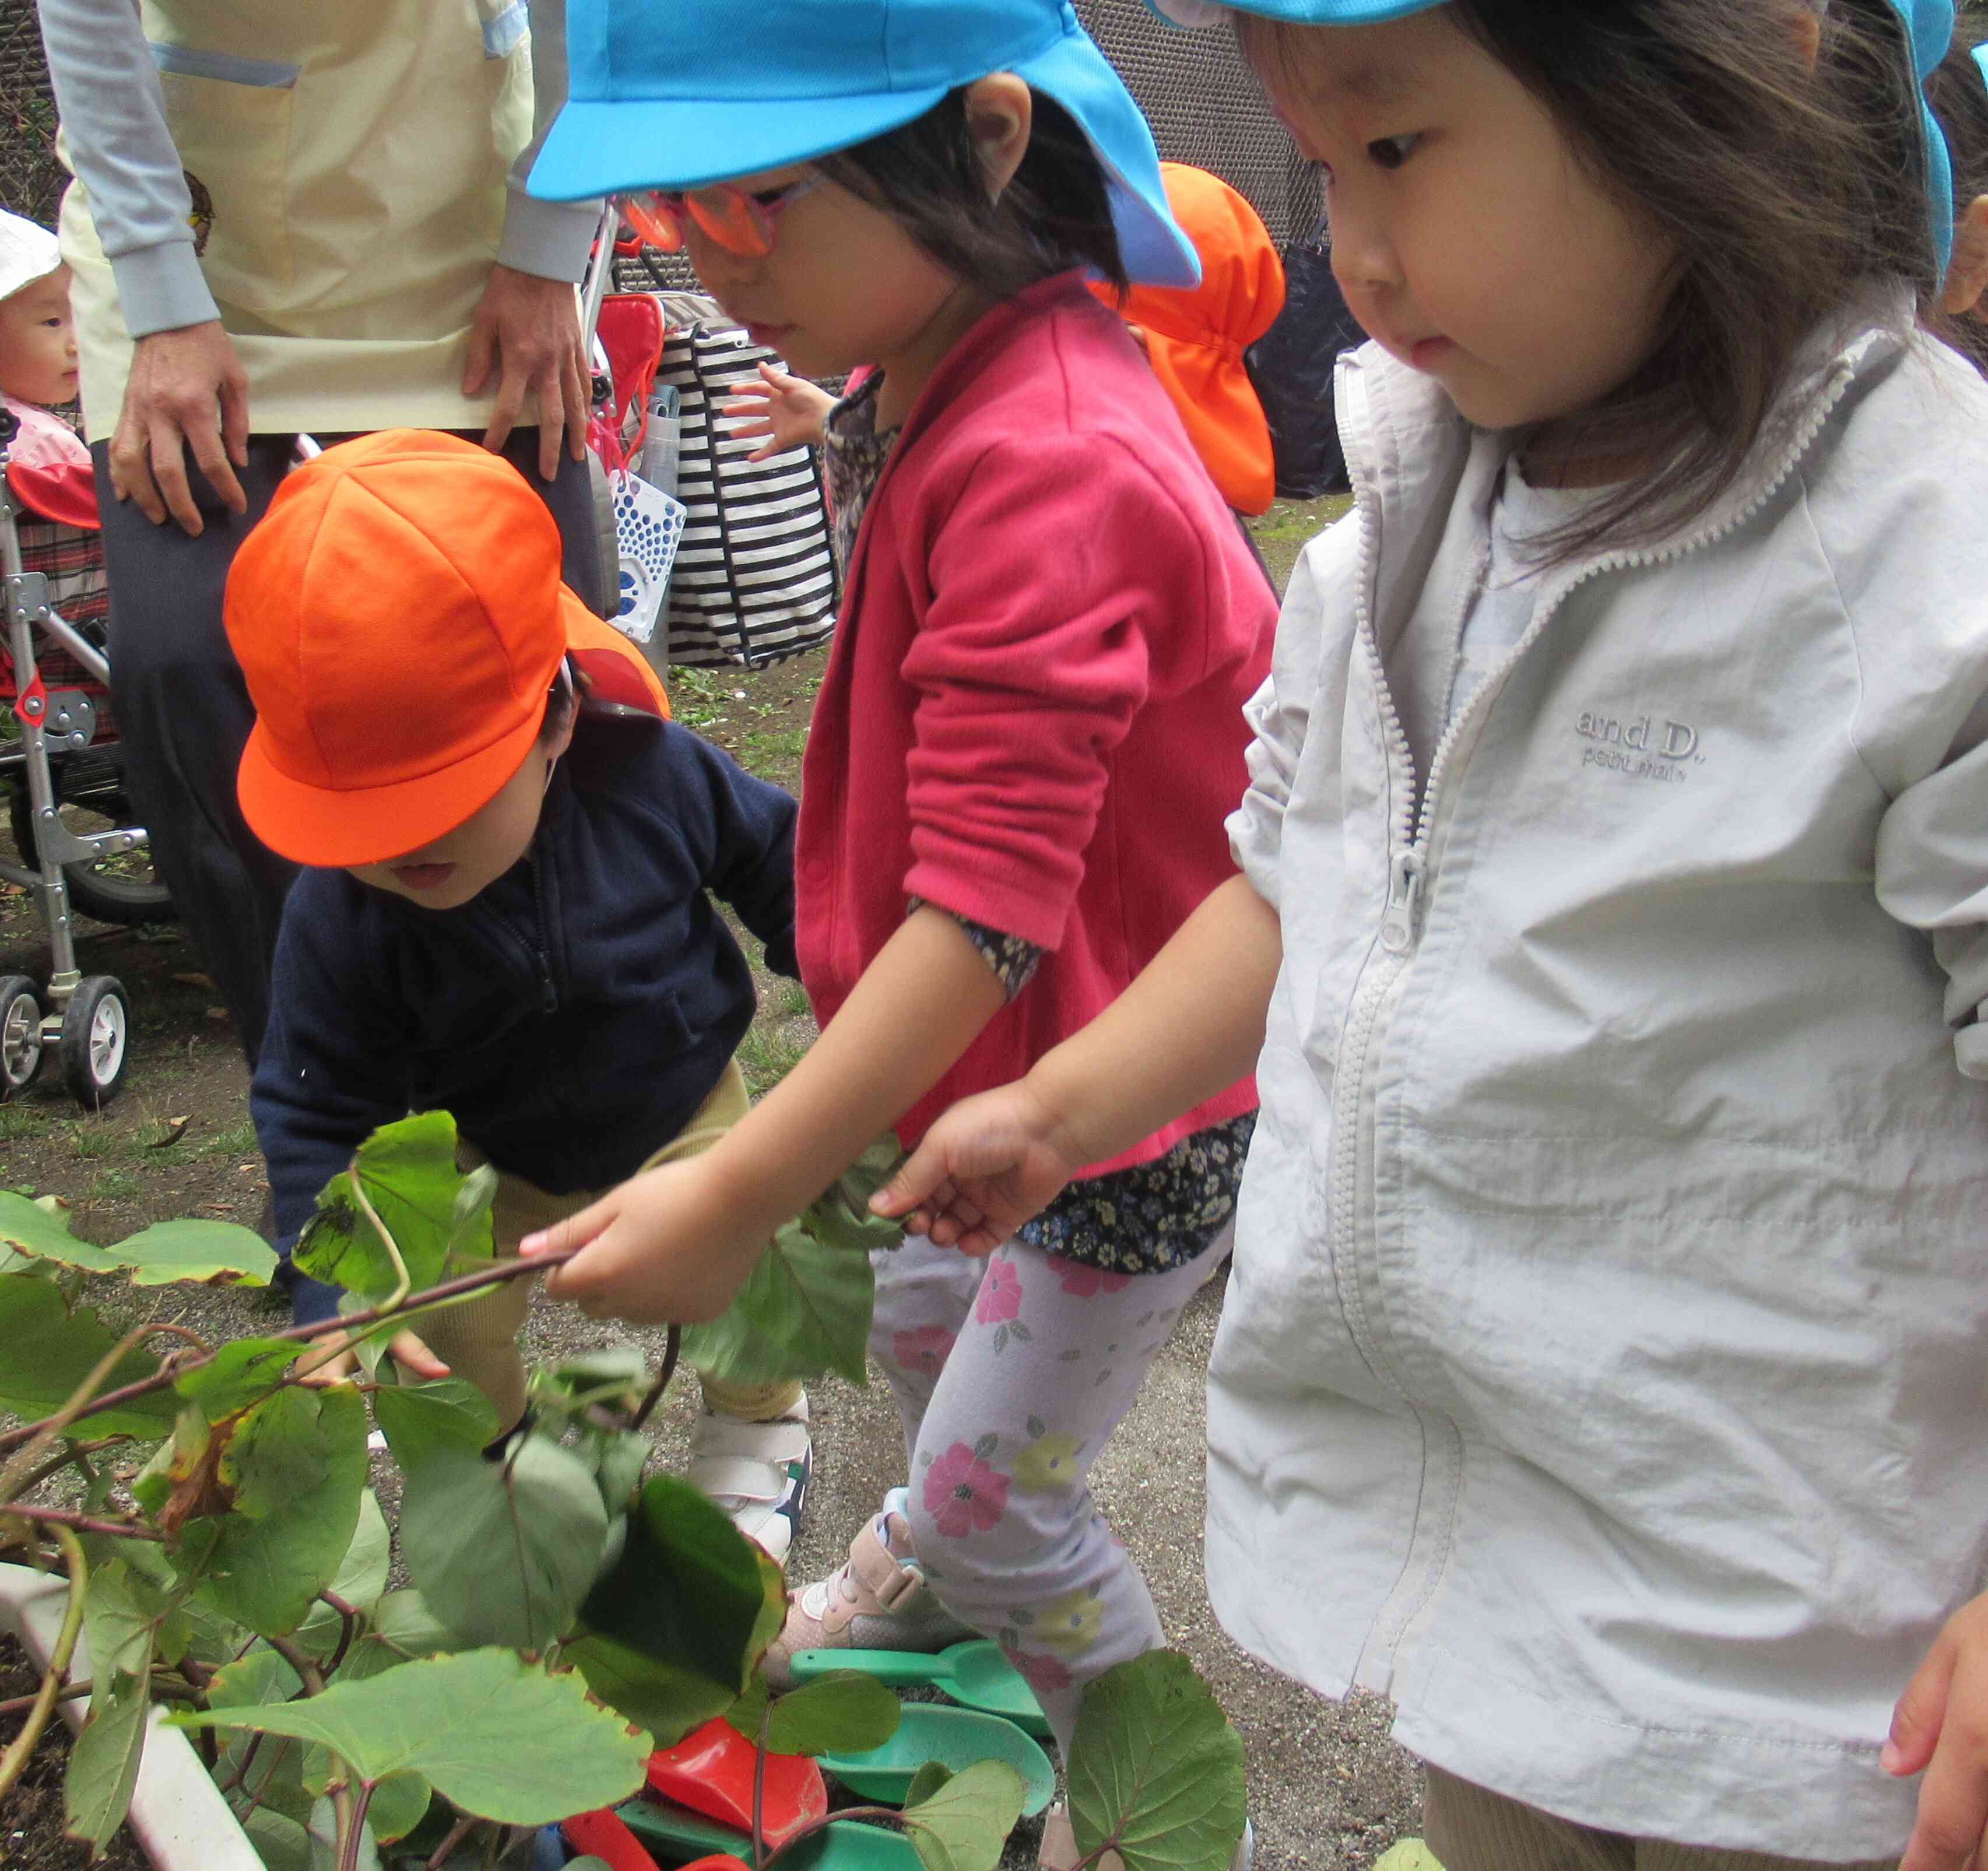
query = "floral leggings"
x=1010 y=1374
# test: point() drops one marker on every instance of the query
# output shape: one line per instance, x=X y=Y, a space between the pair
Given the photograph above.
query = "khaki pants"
x=1469 y=1829
x=478 y=1339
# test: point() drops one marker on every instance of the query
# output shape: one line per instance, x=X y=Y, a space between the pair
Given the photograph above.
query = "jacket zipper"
x=541 y=959
x=1409 y=835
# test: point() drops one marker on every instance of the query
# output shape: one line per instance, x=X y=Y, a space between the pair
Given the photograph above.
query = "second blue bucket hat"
x=678 y=95
x=1929 y=24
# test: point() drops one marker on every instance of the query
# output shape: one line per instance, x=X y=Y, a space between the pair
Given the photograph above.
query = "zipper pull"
x=1404 y=895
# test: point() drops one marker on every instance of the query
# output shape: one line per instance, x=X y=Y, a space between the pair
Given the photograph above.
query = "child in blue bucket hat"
x=1958 y=92
x=1026 y=740
x=1601 y=1374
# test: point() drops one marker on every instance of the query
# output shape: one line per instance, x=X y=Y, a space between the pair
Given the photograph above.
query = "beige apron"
x=354 y=154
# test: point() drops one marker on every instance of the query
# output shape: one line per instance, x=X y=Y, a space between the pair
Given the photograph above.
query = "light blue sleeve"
x=550 y=238
x=113 y=118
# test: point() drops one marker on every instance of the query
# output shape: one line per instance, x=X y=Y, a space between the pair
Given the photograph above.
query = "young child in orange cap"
x=508 y=911
x=1195 y=336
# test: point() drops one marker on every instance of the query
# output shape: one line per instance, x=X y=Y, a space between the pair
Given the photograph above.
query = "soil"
x=30 y=1829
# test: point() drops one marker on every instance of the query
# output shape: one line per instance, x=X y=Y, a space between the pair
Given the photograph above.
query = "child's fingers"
x=412 y=1355
x=922 y=1181
x=337 y=1369
x=1917 y=1718
x=575 y=1231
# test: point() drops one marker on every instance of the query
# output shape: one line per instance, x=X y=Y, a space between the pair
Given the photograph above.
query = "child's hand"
x=788 y=411
x=671 y=1245
x=1941 y=1725
x=987 y=1165
x=407 y=1351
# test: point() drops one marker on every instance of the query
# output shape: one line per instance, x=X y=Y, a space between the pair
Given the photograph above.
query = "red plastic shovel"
x=710 y=1770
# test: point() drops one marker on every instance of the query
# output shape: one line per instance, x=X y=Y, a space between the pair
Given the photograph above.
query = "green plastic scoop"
x=674 y=1835
x=975 y=1675
x=955 y=1738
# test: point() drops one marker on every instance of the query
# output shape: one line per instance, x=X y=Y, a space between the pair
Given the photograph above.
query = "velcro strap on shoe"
x=888 y=1581
x=737 y=1477
x=775 y=1443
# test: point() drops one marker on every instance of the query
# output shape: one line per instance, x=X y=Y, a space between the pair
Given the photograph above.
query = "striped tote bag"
x=754 y=579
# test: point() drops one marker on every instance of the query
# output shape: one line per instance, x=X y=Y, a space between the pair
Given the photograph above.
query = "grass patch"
x=239 y=1140
x=19 y=1122
x=112 y=1185
x=793 y=999
x=702 y=699
x=767 y=1054
x=88 y=1139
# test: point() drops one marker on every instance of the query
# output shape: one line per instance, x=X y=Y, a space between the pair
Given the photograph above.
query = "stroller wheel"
x=124 y=890
x=96 y=1040
x=20 y=1033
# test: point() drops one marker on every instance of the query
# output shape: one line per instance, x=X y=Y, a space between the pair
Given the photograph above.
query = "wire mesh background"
x=31 y=180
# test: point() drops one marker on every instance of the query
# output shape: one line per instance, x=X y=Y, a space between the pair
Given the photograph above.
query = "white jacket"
x=1604 y=1376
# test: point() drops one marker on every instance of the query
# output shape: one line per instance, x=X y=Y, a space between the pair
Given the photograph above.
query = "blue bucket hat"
x=1929 y=24
x=699 y=91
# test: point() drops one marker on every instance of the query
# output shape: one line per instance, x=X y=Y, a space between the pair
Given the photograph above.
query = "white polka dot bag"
x=648 y=528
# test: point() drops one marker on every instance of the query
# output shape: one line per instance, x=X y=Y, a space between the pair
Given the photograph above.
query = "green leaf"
x=676 y=1626
x=503 y=1552
x=616 y=1377
x=361 y=1577
x=1404 y=1854
x=844 y=1712
x=399 y=1803
x=280 y=1842
x=296 y=1464
x=29 y=1228
x=46 y=1350
x=206 y=1253
x=447 y=1415
x=275 y=1777
x=243 y=1373
x=211 y=1253
x=962 y=1824
x=804 y=1309
x=501 y=1738
x=840 y=1217
x=103 y=1759
x=1155 y=1769
x=407 y=1171
x=122 y=1612
x=324 y=1834
x=927 y=1781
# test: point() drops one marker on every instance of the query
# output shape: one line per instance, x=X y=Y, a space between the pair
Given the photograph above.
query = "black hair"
x=928 y=176
x=1786 y=189
x=568 y=685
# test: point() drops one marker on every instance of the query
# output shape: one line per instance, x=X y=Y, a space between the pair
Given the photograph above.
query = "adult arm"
x=526 y=328
x=187 y=390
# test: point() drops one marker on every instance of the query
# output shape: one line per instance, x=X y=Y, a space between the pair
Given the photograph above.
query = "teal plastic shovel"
x=975 y=1675
x=955 y=1737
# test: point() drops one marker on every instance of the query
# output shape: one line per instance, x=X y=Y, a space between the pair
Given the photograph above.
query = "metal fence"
x=31 y=180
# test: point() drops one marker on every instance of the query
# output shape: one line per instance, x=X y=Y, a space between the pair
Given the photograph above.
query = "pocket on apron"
x=231 y=121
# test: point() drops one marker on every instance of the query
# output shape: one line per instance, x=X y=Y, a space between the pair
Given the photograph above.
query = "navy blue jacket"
x=573 y=1016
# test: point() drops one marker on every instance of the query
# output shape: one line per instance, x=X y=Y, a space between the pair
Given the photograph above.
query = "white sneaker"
x=758 y=1472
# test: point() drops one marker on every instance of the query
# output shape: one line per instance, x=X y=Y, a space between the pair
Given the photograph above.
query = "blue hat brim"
x=616 y=146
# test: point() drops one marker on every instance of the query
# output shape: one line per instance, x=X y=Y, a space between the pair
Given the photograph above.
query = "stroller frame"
x=87 y=1017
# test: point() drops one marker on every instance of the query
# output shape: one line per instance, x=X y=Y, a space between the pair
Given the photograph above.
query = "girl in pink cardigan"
x=1028 y=736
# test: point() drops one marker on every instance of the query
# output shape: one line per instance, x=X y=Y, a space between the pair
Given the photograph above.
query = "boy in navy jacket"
x=507 y=913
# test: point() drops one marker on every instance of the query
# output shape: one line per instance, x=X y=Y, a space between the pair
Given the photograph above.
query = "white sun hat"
x=28 y=252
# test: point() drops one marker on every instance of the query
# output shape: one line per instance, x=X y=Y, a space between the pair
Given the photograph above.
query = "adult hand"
x=1941 y=1725
x=527 y=329
x=788 y=411
x=987 y=1165
x=187 y=389
x=672 y=1245
x=410 y=1353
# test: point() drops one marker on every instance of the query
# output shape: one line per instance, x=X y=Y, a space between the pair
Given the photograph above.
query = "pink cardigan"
x=1032 y=715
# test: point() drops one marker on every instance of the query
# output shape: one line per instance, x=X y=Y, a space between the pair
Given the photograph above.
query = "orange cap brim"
x=334 y=827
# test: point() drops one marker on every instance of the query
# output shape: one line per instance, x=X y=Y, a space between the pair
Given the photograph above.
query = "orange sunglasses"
x=740 y=223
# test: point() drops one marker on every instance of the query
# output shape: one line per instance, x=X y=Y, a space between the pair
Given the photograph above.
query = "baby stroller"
x=63 y=772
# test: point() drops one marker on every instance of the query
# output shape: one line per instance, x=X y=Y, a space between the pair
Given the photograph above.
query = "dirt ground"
x=1327 y=1788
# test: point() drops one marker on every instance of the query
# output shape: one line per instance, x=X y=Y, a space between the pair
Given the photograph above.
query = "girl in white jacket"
x=1604 y=1374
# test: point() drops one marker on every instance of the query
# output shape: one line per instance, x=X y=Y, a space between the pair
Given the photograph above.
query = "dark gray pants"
x=184 y=713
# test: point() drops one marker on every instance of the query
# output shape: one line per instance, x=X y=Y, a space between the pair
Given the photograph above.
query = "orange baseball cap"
x=1195 y=336
x=400 y=620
